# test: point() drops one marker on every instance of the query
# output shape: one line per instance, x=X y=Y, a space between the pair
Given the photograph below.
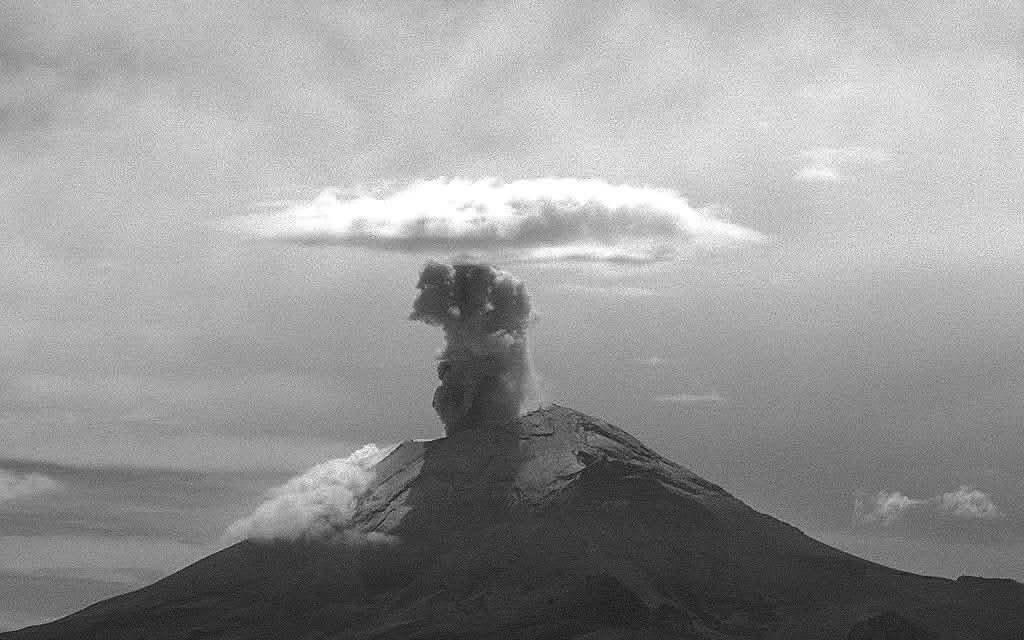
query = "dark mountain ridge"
x=555 y=525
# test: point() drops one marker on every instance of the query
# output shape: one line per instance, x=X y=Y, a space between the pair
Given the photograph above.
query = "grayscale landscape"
x=512 y=320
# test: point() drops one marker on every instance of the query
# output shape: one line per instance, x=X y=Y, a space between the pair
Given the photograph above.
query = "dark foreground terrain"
x=556 y=526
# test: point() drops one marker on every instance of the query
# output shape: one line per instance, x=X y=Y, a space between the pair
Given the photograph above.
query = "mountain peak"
x=528 y=462
x=552 y=525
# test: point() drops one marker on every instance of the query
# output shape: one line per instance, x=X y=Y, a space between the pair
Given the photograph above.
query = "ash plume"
x=485 y=368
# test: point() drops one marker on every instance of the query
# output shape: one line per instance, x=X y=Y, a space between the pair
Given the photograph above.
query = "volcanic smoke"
x=485 y=368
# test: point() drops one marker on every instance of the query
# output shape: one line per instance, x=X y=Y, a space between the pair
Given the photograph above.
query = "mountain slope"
x=556 y=525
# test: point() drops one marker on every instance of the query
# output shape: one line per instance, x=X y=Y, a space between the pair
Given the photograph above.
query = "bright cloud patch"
x=966 y=502
x=14 y=486
x=886 y=507
x=827 y=164
x=543 y=220
x=318 y=503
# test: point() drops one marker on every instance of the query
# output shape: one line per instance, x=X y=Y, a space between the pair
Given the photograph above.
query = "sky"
x=854 y=367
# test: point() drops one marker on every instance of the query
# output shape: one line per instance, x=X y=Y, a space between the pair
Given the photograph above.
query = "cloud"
x=654 y=361
x=817 y=173
x=704 y=399
x=827 y=164
x=966 y=502
x=887 y=507
x=122 y=559
x=15 y=486
x=93 y=439
x=622 y=291
x=541 y=220
x=318 y=503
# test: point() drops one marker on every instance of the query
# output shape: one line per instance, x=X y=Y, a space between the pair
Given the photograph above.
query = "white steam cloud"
x=16 y=486
x=486 y=370
x=965 y=502
x=319 y=503
x=886 y=507
x=544 y=220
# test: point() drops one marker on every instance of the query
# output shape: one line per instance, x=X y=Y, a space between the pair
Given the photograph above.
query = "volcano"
x=553 y=525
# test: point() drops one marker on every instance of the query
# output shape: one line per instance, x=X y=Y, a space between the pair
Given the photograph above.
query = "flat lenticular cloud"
x=965 y=502
x=318 y=503
x=622 y=291
x=16 y=486
x=542 y=220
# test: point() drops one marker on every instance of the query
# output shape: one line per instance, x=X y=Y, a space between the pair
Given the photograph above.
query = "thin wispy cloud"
x=542 y=220
x=817 y=173
x=654 y=361
x=11 y=620
x=622 y=291
x=886 y=507
x=830 y=164
x=123 y=560
x=689 y=399
x=18 y=486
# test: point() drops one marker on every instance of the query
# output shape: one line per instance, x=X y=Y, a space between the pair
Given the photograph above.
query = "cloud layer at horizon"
x=15 y=486
x=541 y=220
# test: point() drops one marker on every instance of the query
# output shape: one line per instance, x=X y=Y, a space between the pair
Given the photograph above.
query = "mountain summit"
x=553 y=525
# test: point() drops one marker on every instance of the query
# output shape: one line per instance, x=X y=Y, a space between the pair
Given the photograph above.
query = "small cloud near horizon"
x=887 y=507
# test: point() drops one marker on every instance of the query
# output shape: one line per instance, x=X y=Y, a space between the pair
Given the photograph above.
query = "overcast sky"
x=848 y=372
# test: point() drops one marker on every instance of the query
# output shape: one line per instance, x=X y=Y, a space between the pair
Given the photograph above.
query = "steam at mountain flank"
x=319 y=503
x=485 y=369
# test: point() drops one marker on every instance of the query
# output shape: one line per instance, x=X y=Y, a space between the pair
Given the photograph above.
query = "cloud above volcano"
x=541 y=220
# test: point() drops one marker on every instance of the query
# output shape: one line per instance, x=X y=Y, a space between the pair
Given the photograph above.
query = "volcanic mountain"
x=554 y=525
